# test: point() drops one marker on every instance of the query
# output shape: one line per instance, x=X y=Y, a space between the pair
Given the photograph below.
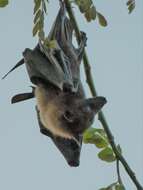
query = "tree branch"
x=101 y=116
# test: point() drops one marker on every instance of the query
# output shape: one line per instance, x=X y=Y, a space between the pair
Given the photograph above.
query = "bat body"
x=63 y=111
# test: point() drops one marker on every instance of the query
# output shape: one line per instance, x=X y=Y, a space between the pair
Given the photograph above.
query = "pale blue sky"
x=29 y=160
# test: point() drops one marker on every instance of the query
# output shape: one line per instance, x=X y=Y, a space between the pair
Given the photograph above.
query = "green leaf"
x=35 y=29
x=102 y=20
x=37 y=16
x=49 y=43
x=110 y=187
x=52 y=44
x=102 y=132
x=87 y=7
x=37 y=5
x=107 y=155
x=99 y=141
x=96 y=137
x=90 y=14
x=41 y=35
x=93 y=12
x=88 y=134
x=131 y=7
x=84 y=4
x=41 y=22
x=3 y=3
x=129 y=2
x=119 y=187
x=82 y=8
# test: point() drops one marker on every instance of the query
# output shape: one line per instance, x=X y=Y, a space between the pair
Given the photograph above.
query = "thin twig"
x=119 y=156
x=118 y=172
x=101 y=116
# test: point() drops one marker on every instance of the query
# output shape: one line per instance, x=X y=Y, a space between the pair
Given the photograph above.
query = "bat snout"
x=73 y=163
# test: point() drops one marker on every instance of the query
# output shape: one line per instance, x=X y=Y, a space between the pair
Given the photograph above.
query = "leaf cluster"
x=3 y=3
x=90 y=12
x=40 y=9
x=114 y=186
x=99 y=138
x=131 y=5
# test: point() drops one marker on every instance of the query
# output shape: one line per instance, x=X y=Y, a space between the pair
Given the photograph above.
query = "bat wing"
x=59 y=65
x=69 y=148
x=54 y=65
x=67 y=56
x=44 y=69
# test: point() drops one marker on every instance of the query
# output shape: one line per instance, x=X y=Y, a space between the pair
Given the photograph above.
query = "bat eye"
x=69 y=116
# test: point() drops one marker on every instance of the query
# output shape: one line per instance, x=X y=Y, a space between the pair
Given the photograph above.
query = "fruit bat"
x=63 y=111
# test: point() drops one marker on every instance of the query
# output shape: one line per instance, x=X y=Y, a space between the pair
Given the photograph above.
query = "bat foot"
x=67 y=87
x=83 y=38
x=80 y=50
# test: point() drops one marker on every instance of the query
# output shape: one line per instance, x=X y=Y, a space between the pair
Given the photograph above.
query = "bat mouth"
x=73 y=163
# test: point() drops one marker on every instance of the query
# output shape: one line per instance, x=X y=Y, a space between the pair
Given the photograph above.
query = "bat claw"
x=83 y=38
x=80 y=50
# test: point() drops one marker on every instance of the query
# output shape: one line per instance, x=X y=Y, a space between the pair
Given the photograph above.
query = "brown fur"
x=50 y=113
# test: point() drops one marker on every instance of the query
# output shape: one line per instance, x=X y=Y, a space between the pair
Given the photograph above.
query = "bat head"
x=78 y=115
x=66 y=114
x=74 y=117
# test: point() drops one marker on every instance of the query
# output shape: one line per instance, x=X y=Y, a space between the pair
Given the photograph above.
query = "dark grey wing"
x=62 y=32
x=53 y=65
x=69 y=148
x=41 y=69
x=63 y=54
x=59 y=65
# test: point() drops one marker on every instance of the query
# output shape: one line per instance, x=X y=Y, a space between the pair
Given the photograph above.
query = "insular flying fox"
x=63 y=111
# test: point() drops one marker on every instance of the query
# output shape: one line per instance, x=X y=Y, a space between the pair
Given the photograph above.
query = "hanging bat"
x=63 y=111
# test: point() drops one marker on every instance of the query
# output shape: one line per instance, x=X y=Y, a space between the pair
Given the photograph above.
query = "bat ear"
x=22 y=97
x=95 y=104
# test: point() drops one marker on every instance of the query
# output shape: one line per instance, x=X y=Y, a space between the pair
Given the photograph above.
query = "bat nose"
x=100 y=101
x=73 y=163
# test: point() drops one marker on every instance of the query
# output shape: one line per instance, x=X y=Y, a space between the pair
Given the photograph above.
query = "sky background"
x=29 y=160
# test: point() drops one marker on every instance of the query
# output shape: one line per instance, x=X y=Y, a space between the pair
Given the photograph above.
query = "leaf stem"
x=101 y=117
x=118 y=172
